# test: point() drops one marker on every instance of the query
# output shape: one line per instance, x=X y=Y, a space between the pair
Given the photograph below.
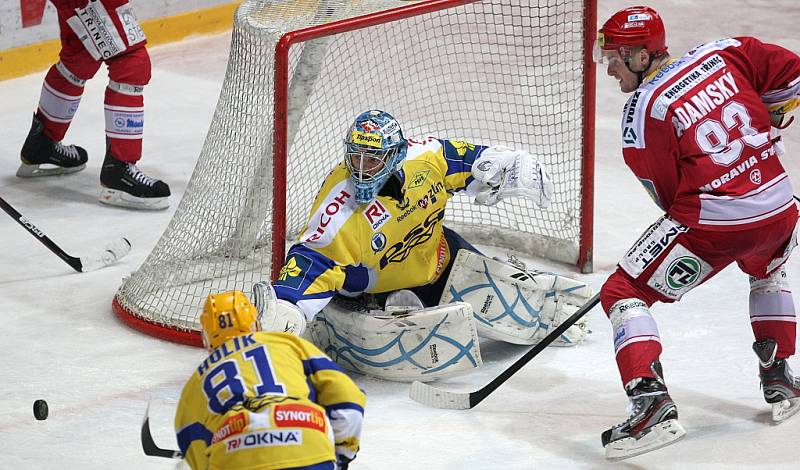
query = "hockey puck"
x=40 y=409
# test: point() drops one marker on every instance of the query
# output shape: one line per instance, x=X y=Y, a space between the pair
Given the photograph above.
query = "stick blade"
x=437 y=398
x=109 y=254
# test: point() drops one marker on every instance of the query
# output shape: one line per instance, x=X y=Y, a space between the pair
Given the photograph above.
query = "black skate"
x=125 y=185
x=653 y=421
x=41 y=156
x=781 y=388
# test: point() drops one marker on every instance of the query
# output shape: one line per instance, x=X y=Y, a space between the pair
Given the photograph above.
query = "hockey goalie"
x=385 y=288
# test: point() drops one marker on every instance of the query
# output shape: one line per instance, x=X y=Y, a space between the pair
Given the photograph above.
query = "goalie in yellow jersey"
x=376 y=233
x=265 y=400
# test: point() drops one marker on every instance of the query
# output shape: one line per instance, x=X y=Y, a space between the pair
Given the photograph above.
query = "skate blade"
x=113 y=197
x=785 y=409
x=660 y=435
x=45 y=169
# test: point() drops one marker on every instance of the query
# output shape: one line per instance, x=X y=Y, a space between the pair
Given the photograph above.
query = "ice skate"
x=41 y=156
x=652 y=424
x=781 y=388
x=125 y=185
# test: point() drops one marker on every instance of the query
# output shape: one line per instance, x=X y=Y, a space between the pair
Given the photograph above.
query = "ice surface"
x=61 y=342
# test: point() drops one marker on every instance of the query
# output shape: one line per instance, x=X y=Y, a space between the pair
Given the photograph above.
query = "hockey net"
x=510 y=72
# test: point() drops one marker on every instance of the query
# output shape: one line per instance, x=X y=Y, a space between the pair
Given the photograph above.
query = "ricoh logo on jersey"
x=377 y=215
x=300 y=416
x=331 y=210
x=288 y=437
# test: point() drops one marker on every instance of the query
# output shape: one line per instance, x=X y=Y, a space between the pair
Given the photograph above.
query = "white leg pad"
x=404 y=346
x=514 y=305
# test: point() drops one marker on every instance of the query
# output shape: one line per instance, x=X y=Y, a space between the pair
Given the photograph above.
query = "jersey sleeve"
x=343 y=401
x=308 y=279
x=192 y=435
x=776 y=74
x=458 y=157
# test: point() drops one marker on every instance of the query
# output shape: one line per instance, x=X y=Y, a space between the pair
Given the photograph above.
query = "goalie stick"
x=149 y=446
x=95 y=260
x=438 y=398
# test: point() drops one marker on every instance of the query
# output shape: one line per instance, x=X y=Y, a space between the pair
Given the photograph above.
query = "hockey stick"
x=96 y=260
x=438 y=398
x=149 y=446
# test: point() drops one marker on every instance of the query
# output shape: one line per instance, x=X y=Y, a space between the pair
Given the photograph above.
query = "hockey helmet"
x=374 y=147
x=227 y=315
x=627 y=29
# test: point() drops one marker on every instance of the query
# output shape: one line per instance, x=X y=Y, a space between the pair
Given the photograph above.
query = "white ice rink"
x=60 y=341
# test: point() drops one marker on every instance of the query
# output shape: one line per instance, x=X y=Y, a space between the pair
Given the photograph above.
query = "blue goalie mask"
x=374 y=147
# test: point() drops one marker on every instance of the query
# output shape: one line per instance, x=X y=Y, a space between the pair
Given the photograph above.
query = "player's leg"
x=43 y=153
x=431 y=293
x=772 y=316
x=124 y=184
x=510 y=303
x=683 y=260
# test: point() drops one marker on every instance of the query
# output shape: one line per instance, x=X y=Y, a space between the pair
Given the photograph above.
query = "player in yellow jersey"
x=265 y=400
x=376 y=224
x=376 y=232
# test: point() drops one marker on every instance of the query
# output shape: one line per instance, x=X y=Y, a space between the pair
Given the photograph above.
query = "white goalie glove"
x=503 y=172
x=275 y=314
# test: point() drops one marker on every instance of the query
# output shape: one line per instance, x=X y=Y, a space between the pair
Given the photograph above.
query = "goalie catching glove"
x=511 y=173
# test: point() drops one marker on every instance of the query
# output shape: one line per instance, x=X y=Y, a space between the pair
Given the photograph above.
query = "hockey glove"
x=511 y=173
x=342 y=462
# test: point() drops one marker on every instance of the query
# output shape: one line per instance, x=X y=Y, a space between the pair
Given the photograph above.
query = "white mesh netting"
x=504 y=72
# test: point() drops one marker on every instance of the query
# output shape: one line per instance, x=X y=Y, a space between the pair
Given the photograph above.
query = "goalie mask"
x=374 y=147
x=227 y=315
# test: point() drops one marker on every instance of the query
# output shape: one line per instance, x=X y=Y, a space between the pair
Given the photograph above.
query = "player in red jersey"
x=702 y=135
x=92 y=33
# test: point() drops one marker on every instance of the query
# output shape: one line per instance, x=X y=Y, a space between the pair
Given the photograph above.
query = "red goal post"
x=511 y=72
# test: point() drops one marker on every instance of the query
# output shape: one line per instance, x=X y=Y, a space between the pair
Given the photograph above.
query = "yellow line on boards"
x=19 y=61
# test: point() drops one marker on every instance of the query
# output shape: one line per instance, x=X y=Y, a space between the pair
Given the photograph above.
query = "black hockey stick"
x=96 y=260
x=438 y=398
x=149 y=446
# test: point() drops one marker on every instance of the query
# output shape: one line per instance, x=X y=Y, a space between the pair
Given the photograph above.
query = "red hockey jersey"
x=697 y=134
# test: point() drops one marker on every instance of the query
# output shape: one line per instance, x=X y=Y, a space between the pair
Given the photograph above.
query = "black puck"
x=40 y=409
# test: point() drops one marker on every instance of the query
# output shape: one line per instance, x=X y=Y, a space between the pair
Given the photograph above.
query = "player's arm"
x=308 y=279
x=343 y=401
x=192 y=435
x=500 y=172
x=777 y=78
x=491 y=174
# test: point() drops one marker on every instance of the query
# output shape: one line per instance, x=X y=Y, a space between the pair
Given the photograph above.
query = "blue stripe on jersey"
x=356 y=278
x=290 y=286
x=312 y=390
x=193 y=432
x=344 y=406
x=315 y=364
x=460 y=163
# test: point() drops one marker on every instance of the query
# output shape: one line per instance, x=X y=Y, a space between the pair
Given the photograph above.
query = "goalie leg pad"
x=417 y=345
x=514 y=305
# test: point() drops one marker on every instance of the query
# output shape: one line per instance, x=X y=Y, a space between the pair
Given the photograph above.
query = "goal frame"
x=281 y=147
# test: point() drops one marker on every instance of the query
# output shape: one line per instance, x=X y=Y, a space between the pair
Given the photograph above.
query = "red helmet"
x=633 y=27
